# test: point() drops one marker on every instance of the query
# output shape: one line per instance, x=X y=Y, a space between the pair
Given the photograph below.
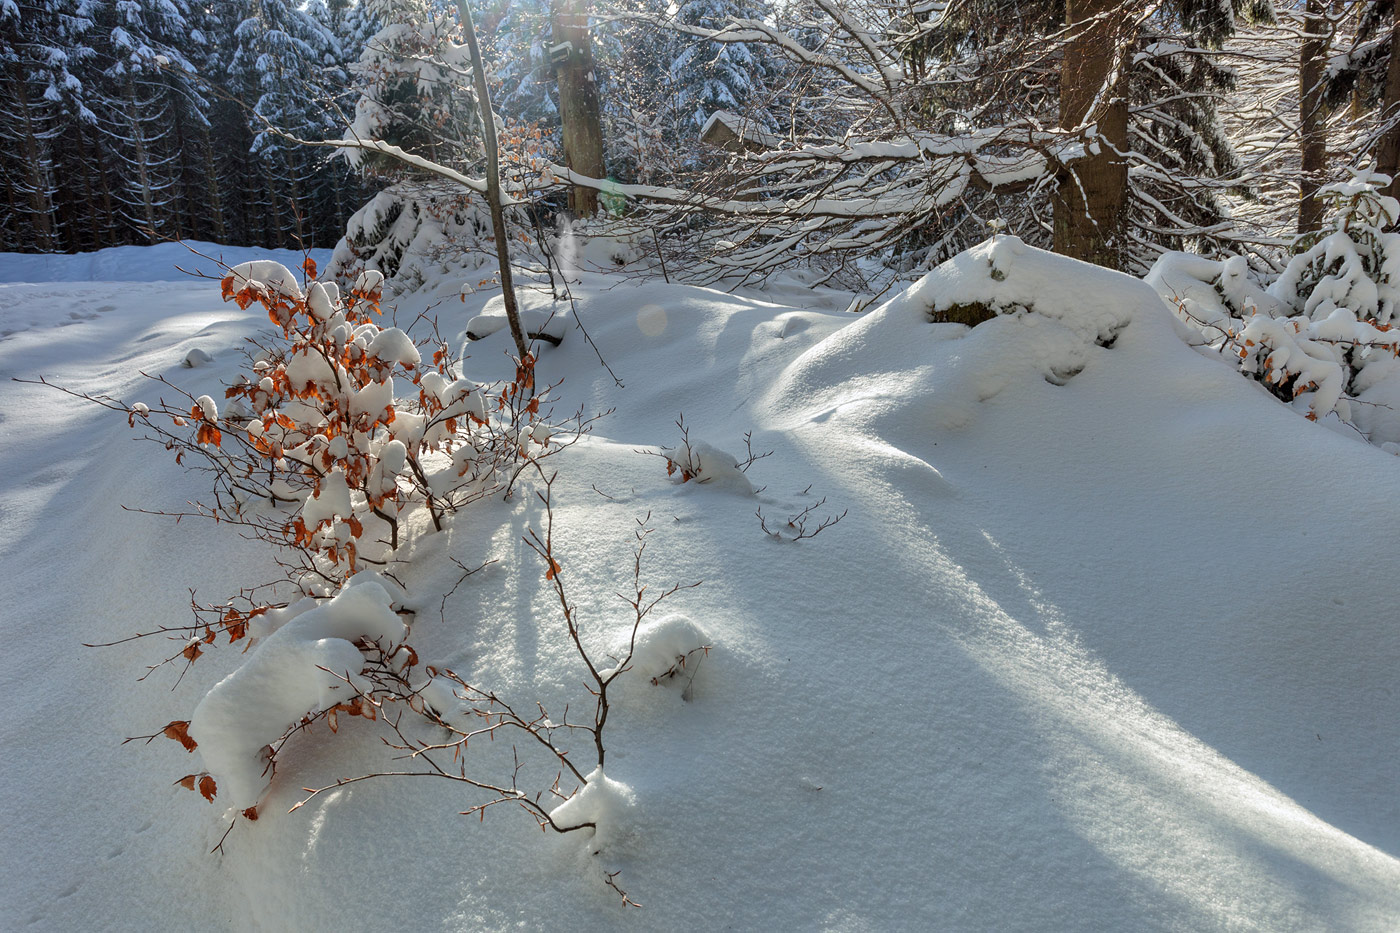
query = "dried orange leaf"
x=180 y=732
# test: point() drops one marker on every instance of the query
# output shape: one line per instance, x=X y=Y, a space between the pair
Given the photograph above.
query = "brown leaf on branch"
x=235 y=625
x=208 y=788
x=180 y=731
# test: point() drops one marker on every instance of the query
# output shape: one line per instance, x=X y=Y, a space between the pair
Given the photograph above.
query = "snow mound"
x=707 y=464
x=301 y=667
x=540 y=316
x=196 y=358
x=602 y=802
x=662 y=648
x=1010 y=277
x=1053 y=317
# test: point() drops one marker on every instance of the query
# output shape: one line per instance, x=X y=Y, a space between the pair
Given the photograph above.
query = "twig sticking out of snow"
x=705 y=463
x=795 y=529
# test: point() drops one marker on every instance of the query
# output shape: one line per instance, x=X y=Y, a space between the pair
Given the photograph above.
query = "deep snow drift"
x=1105 y=639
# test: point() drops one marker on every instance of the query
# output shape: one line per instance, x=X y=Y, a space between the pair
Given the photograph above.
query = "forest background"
x=847 y=130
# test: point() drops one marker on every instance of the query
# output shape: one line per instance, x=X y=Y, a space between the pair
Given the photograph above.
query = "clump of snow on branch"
x=310 y=663
x=663 y=648
x=602 y=802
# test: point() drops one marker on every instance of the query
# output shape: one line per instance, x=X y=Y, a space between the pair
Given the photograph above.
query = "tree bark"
x=106 y=228
x=493 y=181
x=579 y=111
x=141 y=161
x=1312 y=113
x=40 y=209
x=1388 y=148
x=211 y=183
x=1092 y=192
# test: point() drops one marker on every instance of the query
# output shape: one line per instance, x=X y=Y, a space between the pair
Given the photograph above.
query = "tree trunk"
x=579 y=111
x=1312 y=114
x=141 y=162
x=36 y=179
x=106 y=228
x=1388 y=148
x=493 y=182
x=1092 y=192
x=211 y=183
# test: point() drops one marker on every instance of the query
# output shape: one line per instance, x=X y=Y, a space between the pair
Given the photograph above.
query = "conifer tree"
x=1369 y=74
x=710 y=76
x=40 y=96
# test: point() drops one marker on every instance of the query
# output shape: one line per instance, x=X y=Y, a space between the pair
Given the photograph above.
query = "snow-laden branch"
x=398 y=153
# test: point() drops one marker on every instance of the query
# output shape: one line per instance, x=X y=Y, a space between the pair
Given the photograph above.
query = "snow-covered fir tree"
x=414 y=84
x=38 y=45
x=283 y=61
x=148 y=102
x=710 y=76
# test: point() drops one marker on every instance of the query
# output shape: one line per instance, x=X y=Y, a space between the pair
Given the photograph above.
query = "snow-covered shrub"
x=423 y=228
x=704 y=463
x=334 y=437
x=325 y=430
x=1320 y=336
x=336 y=434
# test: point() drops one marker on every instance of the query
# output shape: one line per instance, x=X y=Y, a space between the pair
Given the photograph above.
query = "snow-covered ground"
x=1105 y=641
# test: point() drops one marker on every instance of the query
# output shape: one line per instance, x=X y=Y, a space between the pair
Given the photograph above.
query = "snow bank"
x=299 y=668
x=141 y=263
x=1054 y=317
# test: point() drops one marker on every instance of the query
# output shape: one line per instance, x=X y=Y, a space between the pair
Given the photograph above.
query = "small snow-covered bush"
x=340 y=446
x=1320 y=336
x=335 y=437
x=320 y=426
x=704 y=463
